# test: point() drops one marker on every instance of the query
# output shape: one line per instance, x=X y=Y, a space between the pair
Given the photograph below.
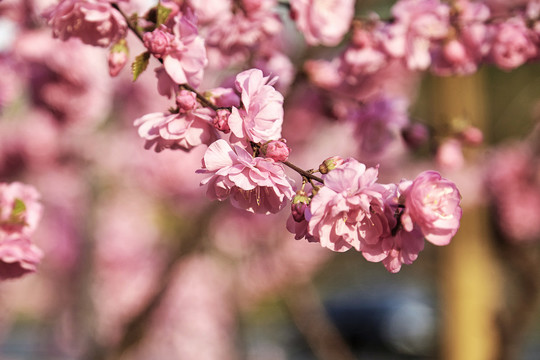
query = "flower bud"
x=472 y=136
x=221 y=120
x=330 y=164
x=450 y=155
x=415 y=135
x=158 y=42
x=298 y=206
x=276 y=150
x=454 y=52
x=118 y=57
x=186 y=100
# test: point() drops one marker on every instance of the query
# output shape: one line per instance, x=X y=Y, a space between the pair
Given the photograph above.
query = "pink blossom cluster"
x=20 y=212
x=241 y=122
x=94 y=22
x=513 y=184
x=386 y=222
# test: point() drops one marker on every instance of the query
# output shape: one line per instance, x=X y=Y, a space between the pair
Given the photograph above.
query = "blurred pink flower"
x=322 y=21
x=261 y=117
x=18 y=256
x=512 y=44
x=184 y=130
x=20 y=210
x=433 y=204
x=256 y=184
x=94 y=22
x=449 y=155
x=417 y=23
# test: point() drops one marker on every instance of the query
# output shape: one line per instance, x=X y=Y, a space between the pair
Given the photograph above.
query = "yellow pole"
x=469 y=279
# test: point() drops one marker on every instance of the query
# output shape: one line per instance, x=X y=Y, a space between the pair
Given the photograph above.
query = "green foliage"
x=140 y=64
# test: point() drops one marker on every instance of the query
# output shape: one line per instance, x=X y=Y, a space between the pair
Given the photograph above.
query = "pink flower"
x=466 y=47
x=433 y=204
x=256 y=184
x=221 y=120
x=349 y=210
x=20 y=209
x=184 y=130
x=117 y=60
x=276 y=150
x=94 y=22
x=403 y=248
x=379 y=122
x=449 y=155
x=323 y=21
x=417 y=24
x=18 y=256
x=184 y=57
x=512 y=44
x=261 y=116
x=159 y=42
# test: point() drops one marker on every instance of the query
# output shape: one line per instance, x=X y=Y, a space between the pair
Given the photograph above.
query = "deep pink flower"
x=261 y=117
x=159 y=42
x=184 y=130
x=349 y=210
x=221 y=120
x=18 y=256
x=512 y=44
x=20 y=209
x=94 y=22
x=322 y=21
x=433 y=204
x=256 y=184
x=276 y=150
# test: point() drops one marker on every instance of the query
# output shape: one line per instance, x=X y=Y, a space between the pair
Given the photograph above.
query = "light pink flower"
x=18 y=256
x=512 y=44
x=94 y=22
x=184 y=130
x=349 y=210
x=184 y=58
x=433 y=204
x=256 y=184
x=261 y=116
x=322 y=21
x=449 y=155
x=20 y=209
x=403 y=248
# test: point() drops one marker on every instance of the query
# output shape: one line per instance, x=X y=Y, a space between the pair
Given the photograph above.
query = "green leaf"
x=162 y=14
x=140 y=64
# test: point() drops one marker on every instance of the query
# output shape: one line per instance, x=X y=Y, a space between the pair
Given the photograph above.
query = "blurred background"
x=139 y=264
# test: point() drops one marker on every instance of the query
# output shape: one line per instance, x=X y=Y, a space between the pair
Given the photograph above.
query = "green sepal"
x=140 y=64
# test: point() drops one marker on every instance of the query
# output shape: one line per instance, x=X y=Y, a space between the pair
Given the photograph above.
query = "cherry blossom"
x=433 y=204
x=261 y=116
x=257 y=185
x=94 y=22
x=322 y=21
